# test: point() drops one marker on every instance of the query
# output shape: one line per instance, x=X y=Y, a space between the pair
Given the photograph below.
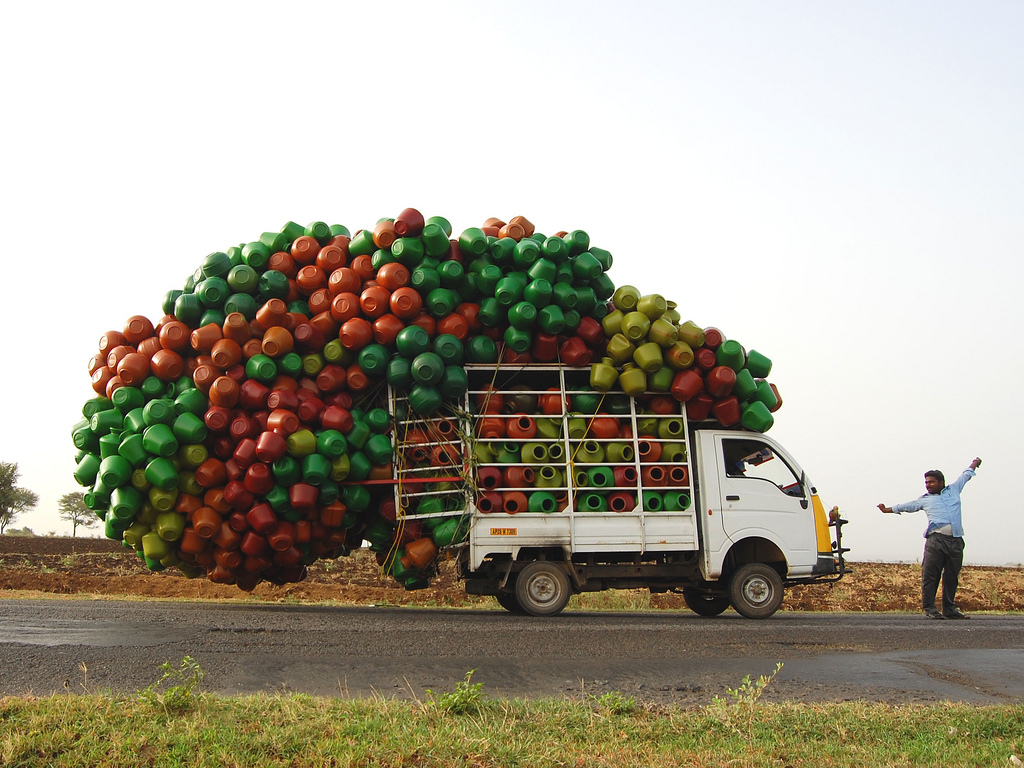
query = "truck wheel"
x=542 y=589
x=508 y=601
x=704 y=604
x=756 y=591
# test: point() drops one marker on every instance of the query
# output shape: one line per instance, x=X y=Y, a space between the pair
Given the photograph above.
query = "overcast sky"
x=837 y=185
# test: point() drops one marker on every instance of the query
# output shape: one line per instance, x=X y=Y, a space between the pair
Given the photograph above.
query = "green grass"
x=200 y=729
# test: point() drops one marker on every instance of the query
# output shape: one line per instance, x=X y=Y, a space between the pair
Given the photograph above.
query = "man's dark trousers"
x=943 y=558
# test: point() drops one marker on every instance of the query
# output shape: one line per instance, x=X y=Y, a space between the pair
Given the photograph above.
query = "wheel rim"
x=757 y=590
x=543 y=589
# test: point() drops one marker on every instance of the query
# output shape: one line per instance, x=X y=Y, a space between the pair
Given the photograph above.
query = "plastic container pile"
x=307 y=391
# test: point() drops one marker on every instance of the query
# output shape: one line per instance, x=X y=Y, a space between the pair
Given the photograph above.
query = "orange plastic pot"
x=513 y=502
x=331 y=257
x=653 y=476
x=386 y=329
x=166 y=365
x=344 y=307
x=332 y=514
x=604 y=428
x=520 y=477
x=406 y=302
x=320 y=301
x=362 y=265
x=491 y=428
x=521 y=427
x=719 y=381
x=679 y=476
x=470 y=312
x=427 y=322
x=621 y=501
x=310 y=279
x=489 y=502
x=419 y=553
x=149 y=347
x=489 y=400
x=228 y=559
x=344 y=280
x=223 y=392
x=202 y=339
x=331 y=379
x=552 y=404
x=489 y=477
x=393 y=276
x=375 y=301
x=137 y=328
x=445 y=455
x=191 y=543
x=174 y=335
x=357 y=379
x=227 y=538
x=282 y=262
x=133 y=369
x=226 y=353
x=273 y=312
x=727 y=411
x=650 y=450
x=624 y=476
x=206 y=521
x=384 y=234
x=214 y=498
x=356 y=333
x=282 y=536
x=283 y=421
x=211 y=473
x=455 y=325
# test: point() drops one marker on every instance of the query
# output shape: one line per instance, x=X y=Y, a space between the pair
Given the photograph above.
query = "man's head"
x=934 y=481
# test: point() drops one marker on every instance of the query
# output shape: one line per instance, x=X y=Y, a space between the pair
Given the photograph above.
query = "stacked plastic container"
x=311 y=390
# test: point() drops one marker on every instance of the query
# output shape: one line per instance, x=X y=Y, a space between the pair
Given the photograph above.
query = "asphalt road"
x=56 y=645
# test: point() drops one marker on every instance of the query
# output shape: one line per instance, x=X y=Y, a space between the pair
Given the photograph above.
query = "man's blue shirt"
x=942 y=508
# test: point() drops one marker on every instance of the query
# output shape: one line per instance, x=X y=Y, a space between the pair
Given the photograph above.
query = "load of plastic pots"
x=289 y=403
x=649 y=350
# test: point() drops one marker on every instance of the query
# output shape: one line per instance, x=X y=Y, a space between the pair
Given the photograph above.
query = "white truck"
x=560 y=489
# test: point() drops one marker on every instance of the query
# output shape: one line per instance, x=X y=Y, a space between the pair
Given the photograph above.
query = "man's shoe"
x=956 y=613
x=934 y=614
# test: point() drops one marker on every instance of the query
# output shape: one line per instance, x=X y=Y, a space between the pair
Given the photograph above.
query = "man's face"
x=932 y=484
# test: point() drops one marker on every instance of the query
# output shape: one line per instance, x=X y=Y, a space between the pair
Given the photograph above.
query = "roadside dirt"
x=98 y=567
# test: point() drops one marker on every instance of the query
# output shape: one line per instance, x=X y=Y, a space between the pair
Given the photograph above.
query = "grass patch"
x=174 y=723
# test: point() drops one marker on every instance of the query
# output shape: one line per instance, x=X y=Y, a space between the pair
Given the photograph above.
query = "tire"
x=542 y=589
x=508 y=601
x=756 y=591
x=705 y=604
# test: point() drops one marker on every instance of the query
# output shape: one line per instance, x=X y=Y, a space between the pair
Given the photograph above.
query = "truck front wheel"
x=704 y=604
x=756 y=591
x=542 y=589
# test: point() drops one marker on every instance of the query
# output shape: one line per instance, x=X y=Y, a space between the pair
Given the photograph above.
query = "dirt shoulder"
x=33 y=565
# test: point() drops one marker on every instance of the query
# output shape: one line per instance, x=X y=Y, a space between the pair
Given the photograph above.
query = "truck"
x=551 y=488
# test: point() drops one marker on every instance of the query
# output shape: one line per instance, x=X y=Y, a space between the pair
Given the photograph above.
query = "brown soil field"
x=32 y=566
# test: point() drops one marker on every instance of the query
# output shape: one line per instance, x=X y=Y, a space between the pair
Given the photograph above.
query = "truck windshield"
x=753 y=459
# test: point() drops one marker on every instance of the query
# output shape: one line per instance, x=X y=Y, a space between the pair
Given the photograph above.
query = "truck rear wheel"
x=542 y=589
x=508 y=601
x=756 y=591
x=704 y=604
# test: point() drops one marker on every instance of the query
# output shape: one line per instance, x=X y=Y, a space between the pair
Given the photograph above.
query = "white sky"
x=837 y=185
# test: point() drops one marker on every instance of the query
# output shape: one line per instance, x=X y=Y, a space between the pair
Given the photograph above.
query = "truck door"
x=763 y=494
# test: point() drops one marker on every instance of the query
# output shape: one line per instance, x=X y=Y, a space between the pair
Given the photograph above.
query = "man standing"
x=944 y=543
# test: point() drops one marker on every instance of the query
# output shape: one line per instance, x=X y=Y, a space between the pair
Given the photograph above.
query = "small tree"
x=71 y=508
x=13 y=500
